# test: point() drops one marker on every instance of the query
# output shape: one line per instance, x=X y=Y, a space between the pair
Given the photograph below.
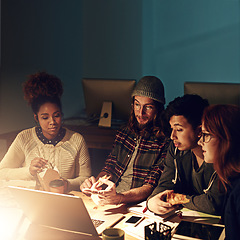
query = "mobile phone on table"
x=134 y=220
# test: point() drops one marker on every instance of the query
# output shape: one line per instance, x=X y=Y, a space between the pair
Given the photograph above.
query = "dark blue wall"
x=177 y=41
x=191 y=41
x=112 y=38
x=39 y=35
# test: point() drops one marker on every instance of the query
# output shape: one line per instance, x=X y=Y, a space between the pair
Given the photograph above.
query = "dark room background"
x=175 y=40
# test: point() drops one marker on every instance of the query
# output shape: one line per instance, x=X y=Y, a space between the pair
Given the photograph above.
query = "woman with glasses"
x=185 y=171
x=220 y=144
x=47 y=144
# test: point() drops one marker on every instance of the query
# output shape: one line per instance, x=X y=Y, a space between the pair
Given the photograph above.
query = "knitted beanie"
x=151 y=87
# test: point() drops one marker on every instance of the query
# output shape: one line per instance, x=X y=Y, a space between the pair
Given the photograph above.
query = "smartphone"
x=134 y=220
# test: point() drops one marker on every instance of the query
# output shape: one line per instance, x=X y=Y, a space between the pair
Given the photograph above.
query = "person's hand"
x=87 y=185
x=37 y=165
x=109 y=195
x=158 y=204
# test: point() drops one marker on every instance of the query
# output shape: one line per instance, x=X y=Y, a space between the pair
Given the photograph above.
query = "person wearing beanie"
x=134 y=166
x=48 y=144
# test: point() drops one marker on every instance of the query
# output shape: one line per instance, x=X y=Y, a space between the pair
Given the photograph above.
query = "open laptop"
x=64 y=212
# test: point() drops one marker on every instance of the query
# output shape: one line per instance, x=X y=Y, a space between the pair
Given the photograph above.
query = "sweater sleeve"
x=82 y=165
x=12 y=166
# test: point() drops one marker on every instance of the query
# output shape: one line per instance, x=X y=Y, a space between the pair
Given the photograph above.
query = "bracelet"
x=120 y=201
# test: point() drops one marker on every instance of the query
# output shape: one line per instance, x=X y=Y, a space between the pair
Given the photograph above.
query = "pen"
x=145 y=209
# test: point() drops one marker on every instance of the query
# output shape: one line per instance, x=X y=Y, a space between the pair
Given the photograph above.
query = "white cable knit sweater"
x=70 y=156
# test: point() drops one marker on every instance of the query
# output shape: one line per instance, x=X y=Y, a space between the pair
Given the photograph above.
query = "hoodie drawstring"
x=176 y=170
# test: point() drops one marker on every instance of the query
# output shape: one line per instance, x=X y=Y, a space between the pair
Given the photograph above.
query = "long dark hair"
x=153 y=128
x=223 y=121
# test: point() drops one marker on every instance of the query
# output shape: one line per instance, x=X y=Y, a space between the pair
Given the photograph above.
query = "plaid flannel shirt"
x=148 y=163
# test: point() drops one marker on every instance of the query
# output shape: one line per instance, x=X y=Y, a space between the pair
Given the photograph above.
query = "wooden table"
x=27 y=232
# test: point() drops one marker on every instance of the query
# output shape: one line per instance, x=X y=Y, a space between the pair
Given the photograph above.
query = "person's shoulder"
x=208 y=165
x=125 y=136
x=26 y=132
x=71 y=133
x=74 y=138
x=162 y=142
x=161 y=139
x=26 y=135
x=123 y=131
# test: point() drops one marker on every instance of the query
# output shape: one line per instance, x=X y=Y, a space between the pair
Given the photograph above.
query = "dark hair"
x=223 y=121
x=41 y=88
x=39 y=101
x=152 y=128
x=191 y=106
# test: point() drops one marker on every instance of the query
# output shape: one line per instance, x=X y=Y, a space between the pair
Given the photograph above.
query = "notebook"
x=60 y=211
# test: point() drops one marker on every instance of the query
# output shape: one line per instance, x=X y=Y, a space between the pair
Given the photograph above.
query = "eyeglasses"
x=146 y=108
x=206 y=137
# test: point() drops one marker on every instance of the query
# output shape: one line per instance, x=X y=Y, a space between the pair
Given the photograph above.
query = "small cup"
x=57 y=186
x=113 y=234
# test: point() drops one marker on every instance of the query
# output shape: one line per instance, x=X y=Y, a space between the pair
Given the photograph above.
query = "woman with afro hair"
x=48 y=143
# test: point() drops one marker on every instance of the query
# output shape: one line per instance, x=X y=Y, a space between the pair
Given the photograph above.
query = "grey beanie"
x=151 y=87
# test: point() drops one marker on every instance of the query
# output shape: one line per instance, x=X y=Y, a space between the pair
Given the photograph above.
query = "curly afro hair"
x=42 y=84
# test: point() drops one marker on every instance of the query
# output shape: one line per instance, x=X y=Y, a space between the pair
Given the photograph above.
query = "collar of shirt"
x=54 y=141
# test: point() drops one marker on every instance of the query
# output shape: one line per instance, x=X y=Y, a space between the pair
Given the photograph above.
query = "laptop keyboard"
x=97 y=222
